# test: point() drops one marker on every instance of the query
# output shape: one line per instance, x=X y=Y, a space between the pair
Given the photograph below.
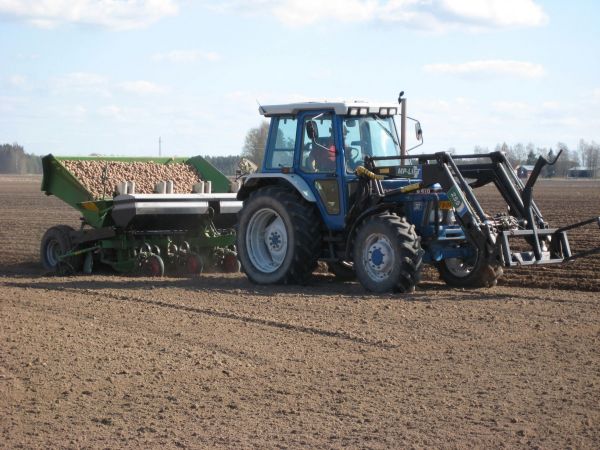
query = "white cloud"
x=28 y=56
x=114 y=14
x=128 y=114
x=504 y=106
x=111 y=111
x=76 y=113
x=491 y=67
x=308 y=12
x=82 y=79
x=17 y=81
x=142 y=87
x=93 y=83
x=9 y=105
x=438 y=15
x=186 y=56
x=495 y=13
x=82 y=82
x=512 y=110
x=551 y=105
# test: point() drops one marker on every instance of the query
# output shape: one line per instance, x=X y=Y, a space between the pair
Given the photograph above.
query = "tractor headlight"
x=364 y=111
x=383 y=111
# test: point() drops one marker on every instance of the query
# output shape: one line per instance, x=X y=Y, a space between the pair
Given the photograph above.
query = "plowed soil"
x=105 y=361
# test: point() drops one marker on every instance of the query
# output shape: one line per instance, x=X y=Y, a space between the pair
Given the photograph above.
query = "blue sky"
x=111 y=76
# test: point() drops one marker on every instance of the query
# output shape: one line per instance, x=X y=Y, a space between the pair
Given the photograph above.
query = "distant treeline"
x=585 y=156
x=13 y=159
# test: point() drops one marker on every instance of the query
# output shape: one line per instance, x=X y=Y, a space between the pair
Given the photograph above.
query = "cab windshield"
x=369 y=136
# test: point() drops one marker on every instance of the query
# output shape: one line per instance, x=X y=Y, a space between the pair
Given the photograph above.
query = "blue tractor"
x=337 y=185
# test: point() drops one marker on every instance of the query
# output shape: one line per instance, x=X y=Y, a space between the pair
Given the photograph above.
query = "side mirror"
x=311 y=130
x=418 y=131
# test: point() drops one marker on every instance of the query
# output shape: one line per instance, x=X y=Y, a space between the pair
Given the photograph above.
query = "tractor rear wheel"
x=278 y=237
x=387 y=254
x=474 y=272
x=55 y=243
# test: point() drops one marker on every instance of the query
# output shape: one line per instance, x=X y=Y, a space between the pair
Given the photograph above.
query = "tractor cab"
x=324 y=143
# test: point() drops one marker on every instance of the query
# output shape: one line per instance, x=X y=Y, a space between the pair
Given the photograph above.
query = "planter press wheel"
x=231 y=263
x=193 y=264
x=152 y=266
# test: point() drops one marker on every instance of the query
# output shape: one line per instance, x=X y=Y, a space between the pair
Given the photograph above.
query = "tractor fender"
x=258 y=180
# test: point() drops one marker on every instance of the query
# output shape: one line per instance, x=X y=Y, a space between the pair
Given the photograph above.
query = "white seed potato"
x=145 y=175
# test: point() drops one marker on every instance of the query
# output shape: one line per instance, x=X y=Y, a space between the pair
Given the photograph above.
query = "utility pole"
x=159 y=147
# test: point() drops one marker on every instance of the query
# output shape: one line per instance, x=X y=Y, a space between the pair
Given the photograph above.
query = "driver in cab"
x=322 y=155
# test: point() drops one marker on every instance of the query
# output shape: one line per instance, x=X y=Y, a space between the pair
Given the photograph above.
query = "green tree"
x=531 y=157
x=550 y=171
x=255 y=143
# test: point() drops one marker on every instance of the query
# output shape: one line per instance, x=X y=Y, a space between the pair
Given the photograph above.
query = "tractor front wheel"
x=387 y=254
x=278 y=237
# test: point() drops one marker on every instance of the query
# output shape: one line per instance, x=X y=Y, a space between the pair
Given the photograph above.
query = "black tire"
x=387 y=254
x=478 y=273
x=296 y=224
x=342 y=270
x=55 y=242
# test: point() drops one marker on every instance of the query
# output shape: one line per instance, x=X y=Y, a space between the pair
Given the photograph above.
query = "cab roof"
x=340 y=108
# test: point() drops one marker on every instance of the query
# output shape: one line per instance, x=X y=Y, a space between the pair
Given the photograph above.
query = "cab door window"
x=318 y=144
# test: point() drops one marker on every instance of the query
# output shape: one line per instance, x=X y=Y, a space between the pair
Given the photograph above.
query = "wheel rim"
x=459 y=267
x=53 y=251
x=378 y=257
x=266 y=240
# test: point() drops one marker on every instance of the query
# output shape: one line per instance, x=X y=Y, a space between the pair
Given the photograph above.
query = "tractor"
x=338 y=185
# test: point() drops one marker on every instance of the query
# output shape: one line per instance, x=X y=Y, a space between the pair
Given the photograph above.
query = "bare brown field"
x=105 y=361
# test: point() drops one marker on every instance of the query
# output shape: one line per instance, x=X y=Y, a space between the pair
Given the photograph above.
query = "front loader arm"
x=469 y=213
